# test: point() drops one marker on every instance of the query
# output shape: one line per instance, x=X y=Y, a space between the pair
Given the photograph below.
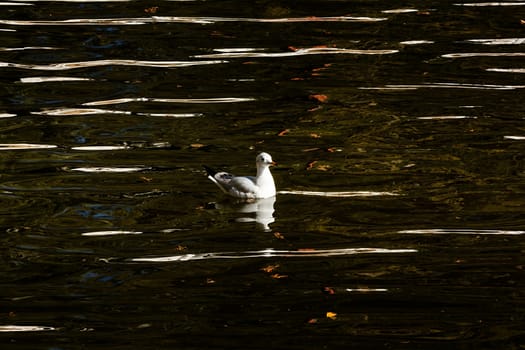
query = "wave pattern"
x=272 y=253
x=191 y=20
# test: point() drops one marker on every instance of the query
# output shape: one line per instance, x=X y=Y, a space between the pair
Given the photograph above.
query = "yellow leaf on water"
x=331 y=315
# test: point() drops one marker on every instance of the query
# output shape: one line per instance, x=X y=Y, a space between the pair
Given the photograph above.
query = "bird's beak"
x=273 y=163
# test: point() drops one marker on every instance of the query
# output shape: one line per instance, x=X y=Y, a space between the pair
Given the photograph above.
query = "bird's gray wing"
x=242 y=187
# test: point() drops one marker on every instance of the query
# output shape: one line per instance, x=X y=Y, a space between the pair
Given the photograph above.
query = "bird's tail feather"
x=211 y=172
x=211 y=175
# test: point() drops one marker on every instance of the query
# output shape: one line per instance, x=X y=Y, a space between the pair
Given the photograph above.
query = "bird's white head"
x=264 y=159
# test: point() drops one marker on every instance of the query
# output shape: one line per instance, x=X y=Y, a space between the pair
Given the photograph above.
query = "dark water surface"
x=399 y=132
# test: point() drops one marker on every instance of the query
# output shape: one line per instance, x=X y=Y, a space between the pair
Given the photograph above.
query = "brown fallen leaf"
x=278 y=276
x=278 y=235
x=315 y=135
x=329 y=290
x=311 y=165
x=270 y=268
x=151 y=10
x=284 y=132
x=313 y=321
x=319 y=98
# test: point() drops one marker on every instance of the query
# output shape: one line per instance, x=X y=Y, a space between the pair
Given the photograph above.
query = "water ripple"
x=14 y=328
x=15 y=4
x=100 y=148
x=416 y=42
x=25 y=48
x=483 y=54
x=341 y=194
x=504 y=41
x=32 y=80
x=109 y=169
x=446 y=117
x=99 y=63
x=171 y=100
x=506 y=70
x=296 y=52
x=445 y=86
x=78 y=111
x=193 y=20
x=58 y=112
x=441 y=231
x=403 y=10
x=24 y=146
x=272 y=253
x=488 y=4
x=110 y=233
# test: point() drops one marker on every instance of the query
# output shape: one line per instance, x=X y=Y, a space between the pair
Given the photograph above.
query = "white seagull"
x=247 y=187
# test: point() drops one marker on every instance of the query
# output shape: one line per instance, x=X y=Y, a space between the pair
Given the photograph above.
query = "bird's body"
x=247 y=187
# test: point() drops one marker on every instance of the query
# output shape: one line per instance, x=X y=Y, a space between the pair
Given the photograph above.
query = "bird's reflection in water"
x=259 y=211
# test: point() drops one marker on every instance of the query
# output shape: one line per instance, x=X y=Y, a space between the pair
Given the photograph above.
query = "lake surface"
x=399 y=133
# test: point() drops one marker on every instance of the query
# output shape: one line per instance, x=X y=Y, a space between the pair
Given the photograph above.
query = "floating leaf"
x=319 y=98
x=311 y=165
x=278 y=235
x=151 y=10
x=313 y=321
x=270 y=268
x=284 y=132
x=331 y=315
x=329 y=290
x=278 y=276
